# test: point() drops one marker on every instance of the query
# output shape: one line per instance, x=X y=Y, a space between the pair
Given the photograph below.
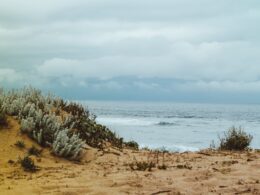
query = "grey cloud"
x=65 y=43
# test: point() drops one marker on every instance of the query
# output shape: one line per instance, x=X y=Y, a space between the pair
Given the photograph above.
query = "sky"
x=149 y=50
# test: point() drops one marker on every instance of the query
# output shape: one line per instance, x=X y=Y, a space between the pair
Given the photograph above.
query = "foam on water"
x=133 y=121
x=124 y=121
x=171 y=148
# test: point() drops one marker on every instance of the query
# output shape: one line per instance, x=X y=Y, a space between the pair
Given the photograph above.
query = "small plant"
x=34 y=151
x=28 y=164
x=235 y=139
x=212 y=145
x=3 y=119
x=185 y=166
x=11 y=161
x=20 y=144
x=142 y=166
x=132 y=144
x=162 y=167
x=146 y=148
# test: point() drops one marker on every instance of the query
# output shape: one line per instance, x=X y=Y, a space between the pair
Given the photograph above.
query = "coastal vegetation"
x=132 y=145
x=20 y=144
x=64 y=127
x=142 y=166
x=34 y=151
x=235 y=139
x=3 y=119
x=28 y=164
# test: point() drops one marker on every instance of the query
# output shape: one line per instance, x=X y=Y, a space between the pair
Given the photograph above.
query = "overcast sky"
x=185 y=50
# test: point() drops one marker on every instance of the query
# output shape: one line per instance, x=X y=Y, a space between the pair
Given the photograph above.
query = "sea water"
x=175 y=126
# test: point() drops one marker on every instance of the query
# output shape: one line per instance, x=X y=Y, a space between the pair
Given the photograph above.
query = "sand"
x=109 y=171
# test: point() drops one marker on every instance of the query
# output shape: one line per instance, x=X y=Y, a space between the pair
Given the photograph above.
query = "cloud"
x=59 y=43
x=221 y=86
x=205 y=61
x=9 y=75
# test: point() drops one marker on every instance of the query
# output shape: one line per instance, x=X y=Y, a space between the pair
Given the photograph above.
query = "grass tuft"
x=20 y=144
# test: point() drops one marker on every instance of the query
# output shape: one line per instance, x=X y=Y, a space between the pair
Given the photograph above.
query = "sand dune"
x=109 y=171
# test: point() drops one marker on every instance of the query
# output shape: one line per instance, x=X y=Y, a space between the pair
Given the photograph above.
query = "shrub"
x=44 y=119
x=162 y=167
x=142 y=166
x=132 y=144
x=235 y=139
x=75 y=109
x=27 y=125
x=96 y=135
x=28 y=164
x=20 y=144
x=68 y=147
x=34 y=151
x=3 y=119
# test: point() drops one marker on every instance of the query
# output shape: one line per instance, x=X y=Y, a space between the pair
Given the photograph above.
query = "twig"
x=160 y=192
x=203 y=153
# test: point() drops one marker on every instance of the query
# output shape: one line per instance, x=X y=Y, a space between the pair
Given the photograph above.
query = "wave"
x=185 y=116
x=125 y=121
x=163 y=123
x=171 y=148
x=134 y=122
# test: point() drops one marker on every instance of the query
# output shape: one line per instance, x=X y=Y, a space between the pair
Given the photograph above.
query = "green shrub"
x=20 y=144
x=75 y=109
x=235 y=139
x=28 y=164
x=132 y=144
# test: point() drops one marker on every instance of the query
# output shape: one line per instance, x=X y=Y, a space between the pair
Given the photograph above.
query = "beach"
x=114 y=171
x=133 y=97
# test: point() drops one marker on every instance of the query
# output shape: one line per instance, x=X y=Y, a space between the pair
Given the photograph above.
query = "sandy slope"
x=108 y=172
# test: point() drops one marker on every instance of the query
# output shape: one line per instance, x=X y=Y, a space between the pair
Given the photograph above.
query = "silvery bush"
x=37 y=119
x=27 y=125
x=69 y=147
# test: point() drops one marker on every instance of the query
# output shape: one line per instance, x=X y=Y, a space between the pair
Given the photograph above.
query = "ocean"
x=175 y=126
